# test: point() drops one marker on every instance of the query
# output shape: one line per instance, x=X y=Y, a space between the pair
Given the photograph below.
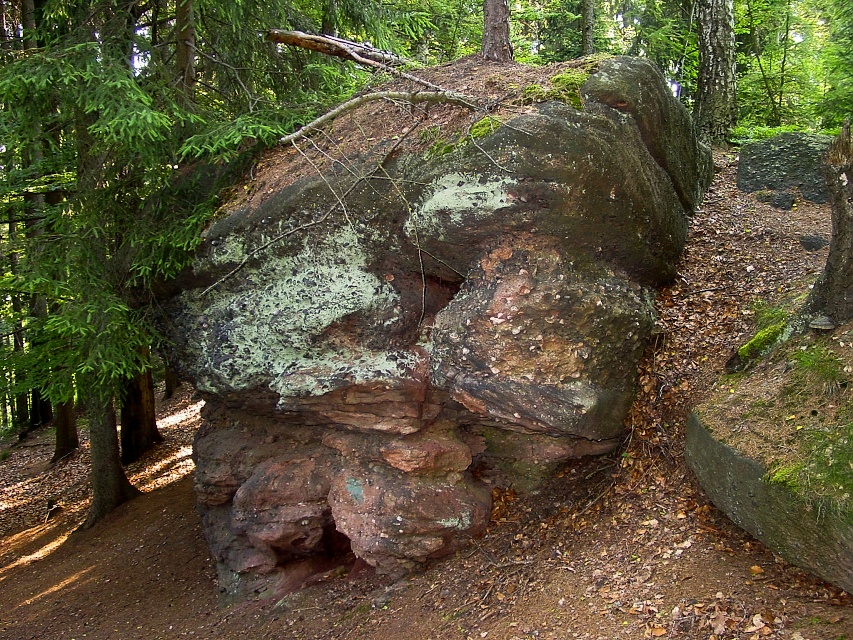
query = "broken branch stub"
x=333 y=46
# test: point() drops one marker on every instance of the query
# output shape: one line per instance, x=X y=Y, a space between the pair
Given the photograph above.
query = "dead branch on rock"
x=417 y=97
x=332 y=46
x=345 y=49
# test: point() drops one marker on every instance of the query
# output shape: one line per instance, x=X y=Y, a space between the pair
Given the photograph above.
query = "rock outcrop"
x=784 y=167
x=819 y=541
x=470 y=319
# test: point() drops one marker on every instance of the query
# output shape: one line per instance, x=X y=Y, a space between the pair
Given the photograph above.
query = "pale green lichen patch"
x=228 y=250
x=454 y=200
x=269 y=331
x=461 y=521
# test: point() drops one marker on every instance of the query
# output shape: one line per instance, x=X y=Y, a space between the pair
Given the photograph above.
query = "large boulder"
x=783 y=167
x=485 y=307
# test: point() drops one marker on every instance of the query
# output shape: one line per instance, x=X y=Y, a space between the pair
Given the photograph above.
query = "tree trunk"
x=329 y=25
x=67 y=440
x=21 y=415
x=41 y=411
x=832 y=295
x=185 y=51
x=110 y=486
x=138 y=418
x=21 y=409
x=587 y=46
x=173 y=382
x=716 y=101
x=496 y=44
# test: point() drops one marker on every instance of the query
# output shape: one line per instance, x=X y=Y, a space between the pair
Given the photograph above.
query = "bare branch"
x=344 y=49
x=433 y=97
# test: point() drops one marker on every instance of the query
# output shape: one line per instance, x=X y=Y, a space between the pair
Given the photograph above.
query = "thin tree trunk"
x=6 y=27
x=138 y=418
x=496 y=43
x=785 y=46
x=28 y=22
x=587 y=46
x=67 y=439
x=21 y=409
x=329 y=26
x=41 y=411
x=832 y=295
x=173 y=382
x=716 y=100
x=185 y=52
x=110 y=486
x=4 y=398
x=771 y=96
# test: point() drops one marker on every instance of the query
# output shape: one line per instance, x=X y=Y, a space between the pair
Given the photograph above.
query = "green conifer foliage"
x=126 y=152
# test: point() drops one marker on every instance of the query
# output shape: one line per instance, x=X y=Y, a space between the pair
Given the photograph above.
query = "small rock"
x=813 y=243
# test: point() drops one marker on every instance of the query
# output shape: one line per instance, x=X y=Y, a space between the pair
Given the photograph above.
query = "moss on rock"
x=484 y=127
x=762 y=341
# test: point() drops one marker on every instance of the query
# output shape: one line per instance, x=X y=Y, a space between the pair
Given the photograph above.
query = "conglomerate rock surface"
x=471 y=319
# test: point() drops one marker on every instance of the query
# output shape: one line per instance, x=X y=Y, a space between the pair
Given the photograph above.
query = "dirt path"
x=624 y=546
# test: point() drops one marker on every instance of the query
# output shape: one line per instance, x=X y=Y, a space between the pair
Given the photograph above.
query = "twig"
x=486 y=153
x=350 y=167
x=417 y=242
x=252 y=99
x=326 y=182
x=708 y=290
x=439 y=260
x=592 y=502
x=275 y=239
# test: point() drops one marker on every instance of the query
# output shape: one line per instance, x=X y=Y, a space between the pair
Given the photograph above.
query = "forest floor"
x=622 y=546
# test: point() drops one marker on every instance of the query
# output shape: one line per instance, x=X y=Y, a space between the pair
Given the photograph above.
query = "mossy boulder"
x=789 y=524
x=773 y=449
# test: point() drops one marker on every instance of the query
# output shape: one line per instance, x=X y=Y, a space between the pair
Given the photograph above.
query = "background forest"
x=121 y=120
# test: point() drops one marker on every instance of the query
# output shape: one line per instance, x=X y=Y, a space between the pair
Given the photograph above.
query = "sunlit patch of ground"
x=41 y=503
x=177 y=463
